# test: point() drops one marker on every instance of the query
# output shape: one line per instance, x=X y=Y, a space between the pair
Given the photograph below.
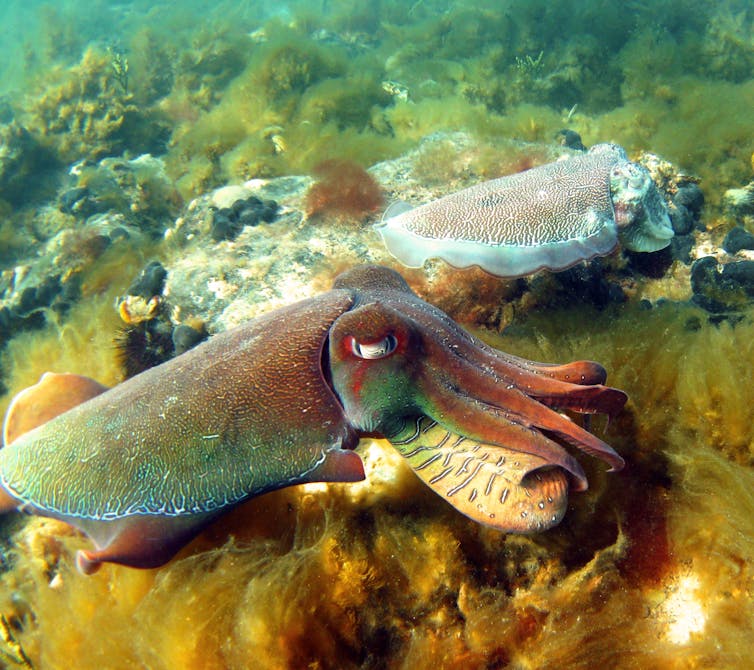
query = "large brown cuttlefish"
x=282 y=400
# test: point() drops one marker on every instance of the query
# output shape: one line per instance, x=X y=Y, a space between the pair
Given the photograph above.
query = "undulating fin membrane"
x=52 y=395
x=508 y=490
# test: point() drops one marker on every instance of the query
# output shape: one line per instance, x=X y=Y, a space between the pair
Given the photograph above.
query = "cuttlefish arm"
x=578 y=386
x=395 y=358
x=509 y=490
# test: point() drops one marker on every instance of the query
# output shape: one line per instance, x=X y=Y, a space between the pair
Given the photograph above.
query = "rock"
x=225 y=196
x=740 y=201
x=685 y=208
x=6 y=325
x=653 y=264
x=737 y=239
x=680 y=248
x=150 y=282
x=584 y=283
x=24 y=165
x=27 y=293
x=720 y=287
x=48 y=278
x=267 y=266
x=690 y=196
x=681 y=219
x=138 y=189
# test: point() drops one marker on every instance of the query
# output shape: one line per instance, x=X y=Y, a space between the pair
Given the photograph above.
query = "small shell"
x=136 y=309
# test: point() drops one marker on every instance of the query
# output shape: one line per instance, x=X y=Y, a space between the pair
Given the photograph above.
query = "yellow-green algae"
x=243 y=95
x=83 y=340
x=650 y=569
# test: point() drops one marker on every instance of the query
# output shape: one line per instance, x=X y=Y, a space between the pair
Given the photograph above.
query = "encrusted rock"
x=722 y=287
x=228 y=222
x=737 y=239
x=740 y=201
x=23 y=162
x=138 y=189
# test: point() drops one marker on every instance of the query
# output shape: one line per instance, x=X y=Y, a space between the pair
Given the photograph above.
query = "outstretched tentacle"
x=458 y=378
x=577 y=386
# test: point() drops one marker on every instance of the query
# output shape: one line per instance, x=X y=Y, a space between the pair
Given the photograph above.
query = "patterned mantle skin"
x=550 y=217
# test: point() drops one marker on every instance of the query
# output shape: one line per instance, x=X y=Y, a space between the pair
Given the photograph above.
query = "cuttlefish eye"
x=373 y=350
x=636 y=180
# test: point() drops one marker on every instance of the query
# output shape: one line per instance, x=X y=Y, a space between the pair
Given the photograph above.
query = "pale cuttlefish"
x=549 y=217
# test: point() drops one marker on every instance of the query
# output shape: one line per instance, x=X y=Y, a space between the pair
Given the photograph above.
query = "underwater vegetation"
x=652 y=574
x=245 y=97
x=84 y=112
x=113 y=135
x=343 y=188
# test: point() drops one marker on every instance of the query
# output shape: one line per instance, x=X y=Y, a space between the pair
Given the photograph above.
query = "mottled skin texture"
x=282 y=400
x=512 y=210
x=552 y=216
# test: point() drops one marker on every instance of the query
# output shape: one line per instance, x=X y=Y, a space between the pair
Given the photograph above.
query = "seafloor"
x=136 y=147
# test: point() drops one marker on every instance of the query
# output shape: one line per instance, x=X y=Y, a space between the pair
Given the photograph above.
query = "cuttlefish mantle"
x=283 y=399
x=549 y=217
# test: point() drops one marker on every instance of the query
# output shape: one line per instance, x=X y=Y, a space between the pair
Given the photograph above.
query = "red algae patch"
x=343 y=188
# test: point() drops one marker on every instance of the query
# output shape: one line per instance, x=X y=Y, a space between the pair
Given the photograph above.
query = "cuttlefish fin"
x=7 y=502
x=509 y=490
x=52 y=395
x=149 y=541
x=139 y=541
x=396 y=208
